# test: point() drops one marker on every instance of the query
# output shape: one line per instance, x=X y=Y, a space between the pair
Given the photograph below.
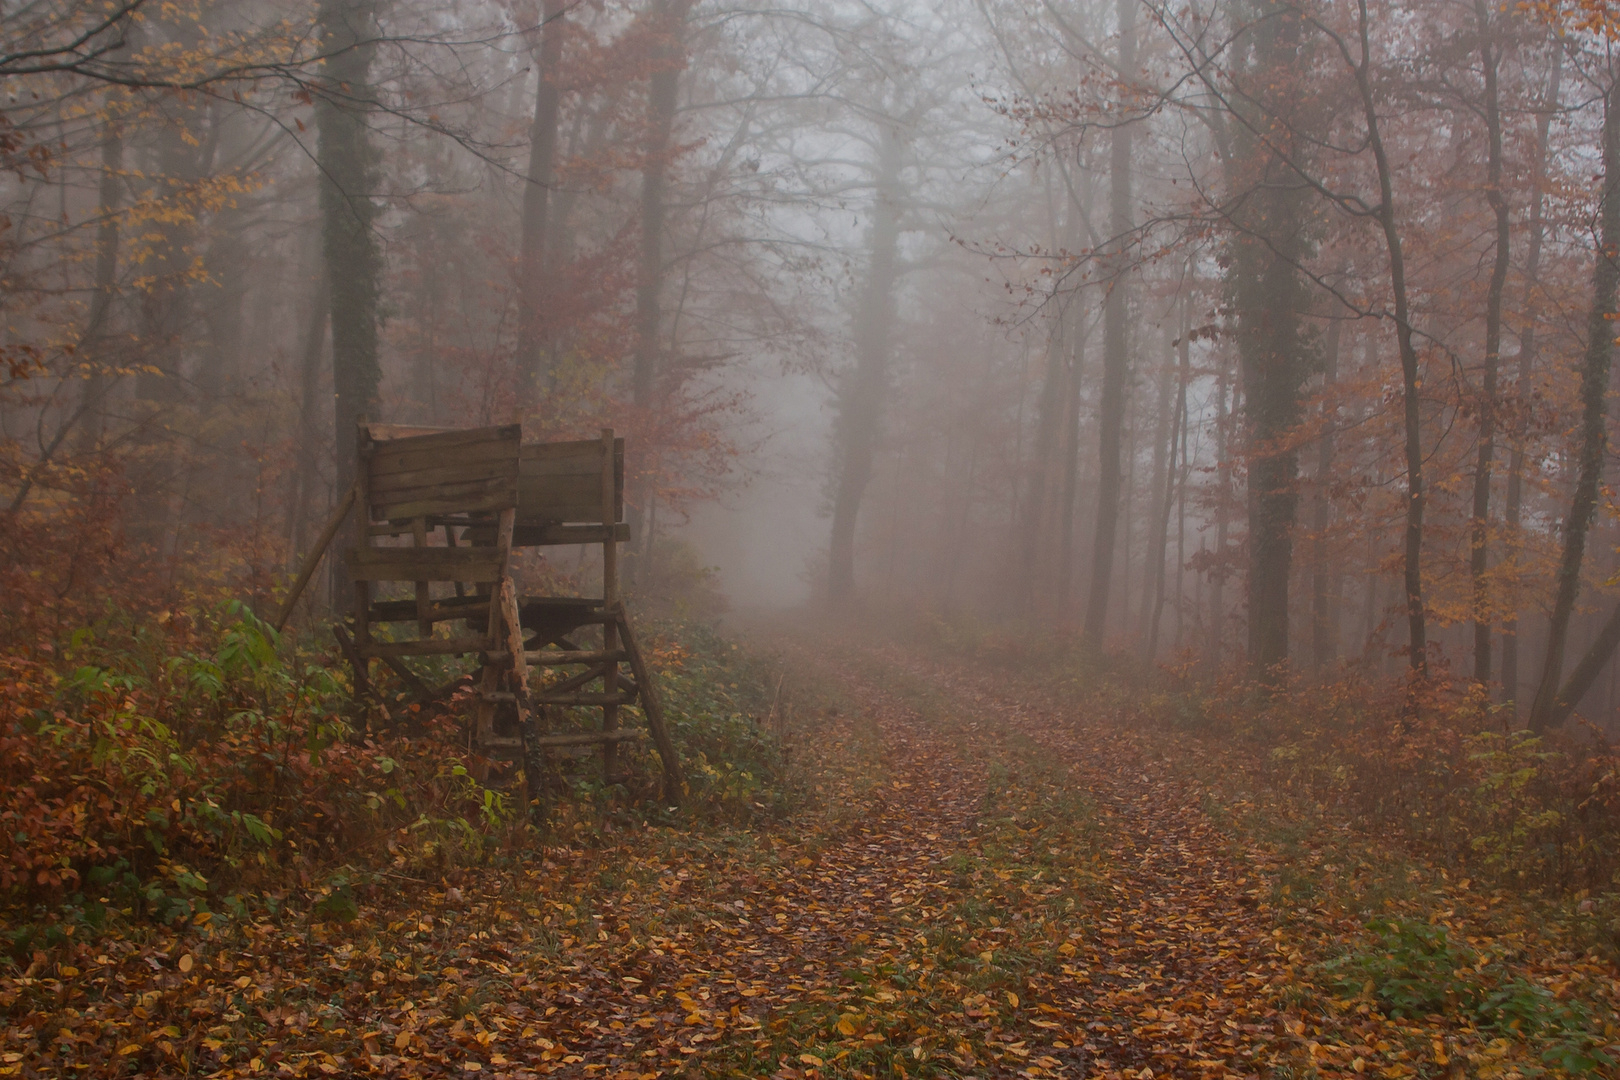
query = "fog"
x=1251 y=335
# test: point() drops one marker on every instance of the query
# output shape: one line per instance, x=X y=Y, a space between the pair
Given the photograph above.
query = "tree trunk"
x=1164 y=463
x=1223 y=495
x=1479 y=560
x=1417 y=644
x=1270 y=212
x=1593 y=435
x=1324 y=605
x=1527 y=359
x=1049 y=412
x=1116 y=355
x=531 y=343
x=862 y=391
x=309 y=385
x=94 y=340
x=1178 y=427
x=348 y=176
x=1071 y=461
x=668 y=17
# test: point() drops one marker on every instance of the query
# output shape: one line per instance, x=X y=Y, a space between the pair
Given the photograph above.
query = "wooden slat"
x=576 y=497
x=574 y=682
x=590 y=738
x=584 y=699
x=439 y=475
x=558 y=657
x=313 y=559
x=563 y=482
x=448 y=439
x=426 y=564
x=470 y=490
x=501 y=498
x=449 y=607
x=430 y=647
x=390 y=432
x=555 y=535
x=455 y=493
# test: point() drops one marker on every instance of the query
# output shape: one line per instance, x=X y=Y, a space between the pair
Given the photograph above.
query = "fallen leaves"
x=986 y=886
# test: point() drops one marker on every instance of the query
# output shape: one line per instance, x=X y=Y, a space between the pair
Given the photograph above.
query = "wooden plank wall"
x=442 y=473
x=561 y=483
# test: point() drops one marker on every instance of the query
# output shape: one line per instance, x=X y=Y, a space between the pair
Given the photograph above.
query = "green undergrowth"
x=1441 y=869
x=202 y=769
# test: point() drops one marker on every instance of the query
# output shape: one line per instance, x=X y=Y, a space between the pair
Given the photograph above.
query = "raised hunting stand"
x=488 y=492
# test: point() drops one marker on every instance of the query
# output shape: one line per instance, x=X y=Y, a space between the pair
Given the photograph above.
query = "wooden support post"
x=362 y=680
x=313 y=559
x=610 y=597
x=674 y=782
x=534 y=760
x=362 y=588
x=424 y=598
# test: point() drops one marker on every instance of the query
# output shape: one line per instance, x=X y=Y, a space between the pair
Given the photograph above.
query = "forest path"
x=980 y=884
x=1006 y=891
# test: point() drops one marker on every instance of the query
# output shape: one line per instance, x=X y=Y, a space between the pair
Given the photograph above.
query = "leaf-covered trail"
x=861 y=955
x=989 y=887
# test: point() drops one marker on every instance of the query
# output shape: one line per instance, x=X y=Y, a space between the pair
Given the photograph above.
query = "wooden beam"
x=584 y=699
x=313 y=559
x=591 y=738
x=653 y=708
x=431 y=647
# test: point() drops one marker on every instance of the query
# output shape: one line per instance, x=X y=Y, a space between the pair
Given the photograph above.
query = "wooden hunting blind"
x=440 y=512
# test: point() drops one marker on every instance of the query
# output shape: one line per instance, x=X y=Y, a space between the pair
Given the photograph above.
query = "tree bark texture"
x=1594 y=384
x=1270 y=209
x=94 y=345
x=1527 y=358
x=1479 y=554
x=348 y=176
x=531 y=343
x=1324 y=602
x=863 y=388
x=1116 y=355
x=668 y=18
x=1411 y=406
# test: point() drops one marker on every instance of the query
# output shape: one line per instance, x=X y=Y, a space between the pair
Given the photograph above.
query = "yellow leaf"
x=845 y=1027
x=1066 y=949
x=129 y=1048
x=1012 y=999
x=187 y=962
x=402 y=1040
x=811 y=1059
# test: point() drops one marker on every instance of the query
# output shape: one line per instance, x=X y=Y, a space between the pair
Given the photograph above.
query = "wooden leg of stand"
x=484 y=715
x=534 y=761
x=610 y=713
x=533 y=729
x=674 y=782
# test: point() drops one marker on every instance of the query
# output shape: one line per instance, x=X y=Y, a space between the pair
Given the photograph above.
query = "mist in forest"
x=1260 y=336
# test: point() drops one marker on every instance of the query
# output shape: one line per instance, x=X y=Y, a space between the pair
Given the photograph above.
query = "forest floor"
x=983 y=883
